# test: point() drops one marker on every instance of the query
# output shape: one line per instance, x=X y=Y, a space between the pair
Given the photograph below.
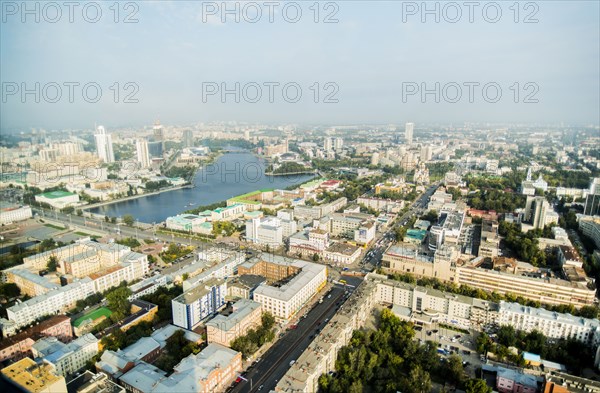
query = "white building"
x=104 y=147
x=228 y=213
x=284 y=301
x=265 y=231
x=408 y=133
x=198 y=303
x=341 y=254
x=550 y=324
x=147 y=286
x=58 y=199
x=142 y=153
x=223 y=269
x=66 y=358
x=53 y=302
x=365 y=233
x=10 y=214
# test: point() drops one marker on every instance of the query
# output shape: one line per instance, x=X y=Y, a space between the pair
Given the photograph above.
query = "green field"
x=53 y=226
x=101 y=312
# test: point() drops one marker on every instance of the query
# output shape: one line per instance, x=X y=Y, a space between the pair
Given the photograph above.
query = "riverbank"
x=132 y=197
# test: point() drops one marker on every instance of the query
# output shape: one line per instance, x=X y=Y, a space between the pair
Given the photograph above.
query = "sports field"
x=101 y=312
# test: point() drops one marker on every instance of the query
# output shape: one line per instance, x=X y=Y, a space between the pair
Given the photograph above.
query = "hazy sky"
x=368 y=54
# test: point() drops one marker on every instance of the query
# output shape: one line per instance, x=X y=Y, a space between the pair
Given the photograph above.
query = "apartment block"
x=198 y=303
x=285 y=300
x=66 y=358
x=222 y=329
x=52 y=302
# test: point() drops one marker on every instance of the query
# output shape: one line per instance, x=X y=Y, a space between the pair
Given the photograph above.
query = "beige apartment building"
x=224 y=329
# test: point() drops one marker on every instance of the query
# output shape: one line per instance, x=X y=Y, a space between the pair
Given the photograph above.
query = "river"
x=230 y=175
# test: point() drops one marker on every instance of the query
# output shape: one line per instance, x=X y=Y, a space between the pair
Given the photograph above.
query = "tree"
x=418 y=381
x=52 y=263
x=483 y=343
x=477 y=385
x=106 y=218
x=9 y=290
x=315 y=257
x=113 y=220
x=118 y=302
x=455 y=370
x=128 y=219
x=507 y=336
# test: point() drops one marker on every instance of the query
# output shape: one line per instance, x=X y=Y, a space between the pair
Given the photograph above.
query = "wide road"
x=276 y=361
x=117 y=231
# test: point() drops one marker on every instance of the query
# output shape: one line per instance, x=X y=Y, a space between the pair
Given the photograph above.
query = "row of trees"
x=255 y=338
x=584 y=312
x=497 y=200
x=388 y=359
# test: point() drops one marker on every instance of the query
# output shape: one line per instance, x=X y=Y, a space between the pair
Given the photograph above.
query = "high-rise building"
x=408 y=133
x=538 y=212
x=328 y=144
x=104 y=146
x=142 y=152
x=338 y=144
x=159 y=134
x=592 y=201
x=188 y=138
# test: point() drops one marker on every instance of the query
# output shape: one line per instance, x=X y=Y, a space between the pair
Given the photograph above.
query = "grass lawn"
x=53 y=226
x=101 y=312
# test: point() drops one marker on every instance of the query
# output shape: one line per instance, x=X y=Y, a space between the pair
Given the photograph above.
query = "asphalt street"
x=276 y=361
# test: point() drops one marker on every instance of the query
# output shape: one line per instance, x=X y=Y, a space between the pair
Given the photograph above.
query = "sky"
x=369 y=64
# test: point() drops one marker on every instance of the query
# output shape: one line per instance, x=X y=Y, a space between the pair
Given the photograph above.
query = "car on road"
x=292 y=363
x=238 y=380
x=261 y=387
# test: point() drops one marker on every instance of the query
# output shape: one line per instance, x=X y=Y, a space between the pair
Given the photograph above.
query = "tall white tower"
x=143 y=155
x=408 y=132
x=104 y=147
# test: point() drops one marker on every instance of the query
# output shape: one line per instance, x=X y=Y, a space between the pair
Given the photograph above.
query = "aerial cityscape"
x=290 y=197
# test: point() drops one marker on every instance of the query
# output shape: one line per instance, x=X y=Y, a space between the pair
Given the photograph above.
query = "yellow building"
x=35 y=378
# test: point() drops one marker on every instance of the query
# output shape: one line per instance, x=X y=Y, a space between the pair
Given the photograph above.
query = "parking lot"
x=453 y=342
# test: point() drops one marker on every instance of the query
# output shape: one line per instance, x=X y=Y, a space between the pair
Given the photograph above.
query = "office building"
x=104 y=146
x=265 y=231
x=409 y=259
x=539 y=213
x=590 y=226
x=142 y=153
x=188 y=138
x=198 y=303
x=223 y=329
x=29 y=283
x=592 y=201
x=408 y=133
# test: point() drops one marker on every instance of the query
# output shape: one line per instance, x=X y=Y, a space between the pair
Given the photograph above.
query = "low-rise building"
x=35 y=378
x=341 y=254
x=19 y=346
x=11 y=213
x=222 y=329
x=58 y=199
x=66 y=358
x=88 y=382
